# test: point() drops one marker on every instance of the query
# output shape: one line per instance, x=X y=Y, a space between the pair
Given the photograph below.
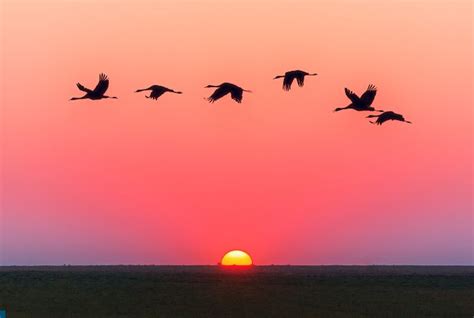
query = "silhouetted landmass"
x=259 y=291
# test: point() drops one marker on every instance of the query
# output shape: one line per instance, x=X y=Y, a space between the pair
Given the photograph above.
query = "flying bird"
x=223 y=89
x=381 y=118
x=99 y=90
x=363 y=102
x=157 y=91
x=290 y=76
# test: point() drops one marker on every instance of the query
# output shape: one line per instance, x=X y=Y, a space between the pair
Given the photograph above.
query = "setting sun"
x=236 y=257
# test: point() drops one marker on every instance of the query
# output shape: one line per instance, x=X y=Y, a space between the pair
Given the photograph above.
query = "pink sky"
x=182 y=181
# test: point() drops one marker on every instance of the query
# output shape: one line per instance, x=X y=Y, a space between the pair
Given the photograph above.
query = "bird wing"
x=236 y=94
x=287 y=81
x=218 y=93
x=368 y=97
x=384 y=117
x=300 y=79
x=156 y=93
x=351 y=95
x=82 y=88
x=103 y=84
x=380 y=120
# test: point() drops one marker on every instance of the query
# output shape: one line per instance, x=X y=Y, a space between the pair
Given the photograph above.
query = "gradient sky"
x=182 y=181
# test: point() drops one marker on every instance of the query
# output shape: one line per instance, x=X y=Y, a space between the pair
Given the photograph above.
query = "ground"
x=260 y=291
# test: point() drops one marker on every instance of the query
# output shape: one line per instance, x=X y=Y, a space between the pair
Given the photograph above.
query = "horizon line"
x=218 y=265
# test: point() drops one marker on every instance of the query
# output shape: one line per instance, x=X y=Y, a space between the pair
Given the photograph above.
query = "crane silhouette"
x=290 y=76
x=223 y=89
x=99 y=90
x=381 y=118
x=361 y=103
x=157 y=91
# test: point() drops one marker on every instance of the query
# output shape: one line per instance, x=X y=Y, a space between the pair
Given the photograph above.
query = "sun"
x=236 y=258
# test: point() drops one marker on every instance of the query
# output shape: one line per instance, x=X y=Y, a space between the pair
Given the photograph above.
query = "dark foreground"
x=263 y=291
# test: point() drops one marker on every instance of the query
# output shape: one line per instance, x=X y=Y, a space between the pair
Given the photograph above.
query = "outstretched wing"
x=218 y=93
x=352 y=96
x=300 y=79
x=103 y=84
x=156 y=93
x=384 y=117
x=381 y=120
x=368 y=97
x=287 y=81
x=82 y=88
x=236 y=94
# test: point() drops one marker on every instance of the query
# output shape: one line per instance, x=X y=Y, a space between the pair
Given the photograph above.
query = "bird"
x=157 y=91
x=389 y=115
x=224 y=89
x=363 y=102
x=291 y=75
x=99 y=90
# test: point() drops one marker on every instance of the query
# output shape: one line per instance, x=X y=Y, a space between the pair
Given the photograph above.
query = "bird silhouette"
x=99 y=90
x=223 y=89
x=291 y=75
x=381 y=118
x=363 y=102
x=157 y=91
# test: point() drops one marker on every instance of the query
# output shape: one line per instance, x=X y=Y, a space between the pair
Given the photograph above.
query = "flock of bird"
x=362 y=103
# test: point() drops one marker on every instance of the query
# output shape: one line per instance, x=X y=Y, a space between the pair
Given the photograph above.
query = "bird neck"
x=76 y=98
x=342 y=108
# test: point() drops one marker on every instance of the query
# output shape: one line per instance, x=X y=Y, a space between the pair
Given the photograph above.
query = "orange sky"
x=281 y=176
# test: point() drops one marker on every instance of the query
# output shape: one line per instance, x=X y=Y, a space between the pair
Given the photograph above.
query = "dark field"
x=261 y=291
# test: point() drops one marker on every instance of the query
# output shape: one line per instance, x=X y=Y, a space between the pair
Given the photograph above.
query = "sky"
x=281 y=176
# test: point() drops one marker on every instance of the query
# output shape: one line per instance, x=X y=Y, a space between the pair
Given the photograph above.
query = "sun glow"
x=236 y=257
